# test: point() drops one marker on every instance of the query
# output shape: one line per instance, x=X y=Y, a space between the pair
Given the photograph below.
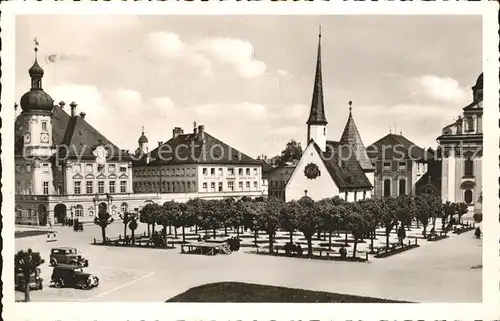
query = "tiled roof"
x=317 y=113
x=79 y=137
x=352 y=137
x=191 y=149
x=345 y=170
x=399 y=144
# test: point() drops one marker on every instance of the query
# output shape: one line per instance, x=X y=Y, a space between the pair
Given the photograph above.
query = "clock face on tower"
x=44 y=137
x=27 y=138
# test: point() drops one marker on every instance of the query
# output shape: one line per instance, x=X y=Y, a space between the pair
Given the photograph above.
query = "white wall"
x=321 y=187
x=318 y=134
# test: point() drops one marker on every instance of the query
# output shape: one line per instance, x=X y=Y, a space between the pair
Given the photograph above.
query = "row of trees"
x=325 y=218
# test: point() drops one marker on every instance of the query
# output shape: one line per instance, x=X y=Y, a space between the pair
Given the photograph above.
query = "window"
x=89 y=168
x=111 y=168
x=89 y=187
x=230 y=185
x=18 y=168
x=205 y=171
x=220 y=187
x=247 y=185
x=189 y=186
x=255 y=185
x=205 y=186
x=79 y=211
x=28 y=168
x=470 y=124
x=44 y=125
x=193 y=184
x=387 y=187
x=255 y=171
x=123 y=186
x=230 y=171
x=45 y=168
x=468 y=196
x=402 y=166
x=240 y=171
x=240 y=185
x=28 y=187
x=212 y=186
x=100 y=168
x=212 y=171
x=402 y=187
x=345 y=196
x=469 y=168
x=77 y=187
x=364 y=194
x=100 y=187
x=45 y=187
x=248 y=171
x=18 y=187
x=387 y=165
x=112 y=187
x=123 y=169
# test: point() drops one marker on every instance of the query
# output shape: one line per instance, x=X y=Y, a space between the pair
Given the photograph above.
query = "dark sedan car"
x=74 y=277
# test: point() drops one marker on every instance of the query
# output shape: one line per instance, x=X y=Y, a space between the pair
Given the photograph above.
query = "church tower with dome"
x=461 y=143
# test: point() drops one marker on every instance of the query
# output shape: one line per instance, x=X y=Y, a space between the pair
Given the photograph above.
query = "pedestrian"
x=477 y=233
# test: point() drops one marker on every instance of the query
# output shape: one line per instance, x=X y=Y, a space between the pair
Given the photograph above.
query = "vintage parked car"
x=35 y=281
x=67 y=255
x=74 y=277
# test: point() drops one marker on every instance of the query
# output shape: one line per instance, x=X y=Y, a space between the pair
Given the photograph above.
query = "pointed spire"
x=352 y=137
x=143 y=138
x=317 y=113
x=143 y=129
x=36 y=72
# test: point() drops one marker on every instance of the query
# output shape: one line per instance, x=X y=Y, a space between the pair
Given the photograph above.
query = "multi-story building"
x=63 y=166
x=330 y=168
x=278 y=178
x=196 y=164
x=399 y=164
x=462 y=143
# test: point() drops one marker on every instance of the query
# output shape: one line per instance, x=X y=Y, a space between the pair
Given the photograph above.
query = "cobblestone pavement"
x=435 y=272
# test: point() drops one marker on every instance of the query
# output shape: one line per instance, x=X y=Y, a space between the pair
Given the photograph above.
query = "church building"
x=462 y=146
x=330 y=168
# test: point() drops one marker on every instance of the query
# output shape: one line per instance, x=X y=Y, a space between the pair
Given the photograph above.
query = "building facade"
x=198 y=164
x=399 y=164
x=63 y=166
x=461 y=143
x=278 y=178
x=330 y=168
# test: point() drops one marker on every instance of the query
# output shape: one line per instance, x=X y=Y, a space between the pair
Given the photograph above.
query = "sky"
x=249 y=79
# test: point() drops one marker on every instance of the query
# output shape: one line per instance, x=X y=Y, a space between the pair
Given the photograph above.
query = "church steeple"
x=316 y=124
x=36 y=72
x=317 y=113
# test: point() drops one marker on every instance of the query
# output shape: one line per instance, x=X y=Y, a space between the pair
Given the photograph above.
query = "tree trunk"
x=330 y=241
x=124 y=230
x=319 y=234
x=225 y=230
x=354 y=247
x=103 y=230
x=196 y=229
x=153 y=228
x=133 y=236
x=183 y=235
x=371 y=240
x=206 y=232
x=346 y=239
x=291 y=237
x=271 y=241
x=418 y=223
x=434 y=223
x=26 y=287
x=387 y=238
x=169 y=229
x=214 y=233
x=425 y=230
x=175 y=231
x=255 y=237
x=149 y=229
x=238 y=232
x=309 y=246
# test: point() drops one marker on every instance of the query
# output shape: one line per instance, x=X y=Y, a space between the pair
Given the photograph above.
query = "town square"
x=365 y=184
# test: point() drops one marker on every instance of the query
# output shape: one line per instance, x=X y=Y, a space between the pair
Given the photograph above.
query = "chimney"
x=160 y=143
x=73 y=108
x=62 y=104
x=83 y=114
x=177 y=131
x=201 y=130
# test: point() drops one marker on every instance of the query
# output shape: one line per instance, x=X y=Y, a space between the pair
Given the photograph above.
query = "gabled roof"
x=398 y=144
x=343 y=167
x=192 y=149
x=352 y=137
x=74 y=137
x=317 y=113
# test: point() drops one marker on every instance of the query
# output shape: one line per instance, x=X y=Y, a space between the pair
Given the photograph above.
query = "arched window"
x=78 y=211
x=124 y=208
x=402 y=187
x=469 y=168
x=387 y=187
x=468 y=196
